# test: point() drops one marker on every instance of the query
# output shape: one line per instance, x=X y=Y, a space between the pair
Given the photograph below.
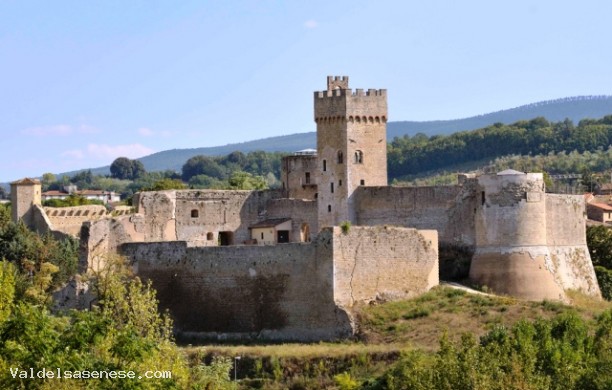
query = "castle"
x=289 y=264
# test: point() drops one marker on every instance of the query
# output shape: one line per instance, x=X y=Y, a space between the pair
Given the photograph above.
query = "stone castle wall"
x=530 y=244
x=190 y=215
x=567 y=243
x=382 y=262
x=282 y=292
x=70 y=219
x=298 y=291
x=441 y=208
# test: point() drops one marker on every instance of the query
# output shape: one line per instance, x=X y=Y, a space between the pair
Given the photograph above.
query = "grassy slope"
x=385 y=330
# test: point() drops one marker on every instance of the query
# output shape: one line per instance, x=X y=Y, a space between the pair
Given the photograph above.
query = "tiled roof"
x=602 y=206
x=269 y=223
x=26 y=181
x=55 y=193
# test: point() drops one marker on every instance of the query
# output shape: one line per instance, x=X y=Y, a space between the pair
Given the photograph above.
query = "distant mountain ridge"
x=574 y=108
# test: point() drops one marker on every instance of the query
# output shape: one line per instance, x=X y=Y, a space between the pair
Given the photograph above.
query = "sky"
x=84 y=82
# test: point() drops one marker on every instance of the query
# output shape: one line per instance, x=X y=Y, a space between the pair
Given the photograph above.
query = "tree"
x=138 y=170
x=126 y=169
x=203 y=165
x=47 y=179
x=246 y=181
x=166 y=184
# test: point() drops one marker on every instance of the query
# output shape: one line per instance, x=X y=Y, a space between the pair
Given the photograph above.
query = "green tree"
x=246 y=181
x=47 y=180
x=203 y=165
x=166 y=184
x=125 y=169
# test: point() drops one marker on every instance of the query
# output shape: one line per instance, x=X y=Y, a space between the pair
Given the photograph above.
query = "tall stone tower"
x=351 y=146
x=25 y=193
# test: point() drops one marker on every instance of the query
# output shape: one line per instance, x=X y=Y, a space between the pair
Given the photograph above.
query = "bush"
x=604 y=278
x=345 y=226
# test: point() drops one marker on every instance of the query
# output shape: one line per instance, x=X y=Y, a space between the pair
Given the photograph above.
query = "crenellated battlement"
x=348 y=92
x=337 y=82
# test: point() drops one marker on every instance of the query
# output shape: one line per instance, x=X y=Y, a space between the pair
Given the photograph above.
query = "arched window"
x=340 y=157
x=358 y=157
x=195 y=213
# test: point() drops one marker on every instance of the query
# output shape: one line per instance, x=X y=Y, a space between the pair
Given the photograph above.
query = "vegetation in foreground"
x=427 y=342
x=122 y=331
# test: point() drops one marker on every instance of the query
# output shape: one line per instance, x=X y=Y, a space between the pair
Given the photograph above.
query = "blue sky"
x=84 y=82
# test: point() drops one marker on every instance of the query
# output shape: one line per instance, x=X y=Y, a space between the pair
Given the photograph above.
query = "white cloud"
x=311 y=24
x=48 y=130
x=146 y=132
x=110 y=152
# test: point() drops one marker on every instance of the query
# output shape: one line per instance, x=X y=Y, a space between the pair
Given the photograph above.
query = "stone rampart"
x=297 y=291
x=281 y=292
x=567 y=243
x=199 y=215
x=383 y=263
x=70 y=219
x=440 y=208
x=530 y=244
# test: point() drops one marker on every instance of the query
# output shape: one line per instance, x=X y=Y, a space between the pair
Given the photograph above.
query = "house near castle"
x=276 y=264
x=101 y=195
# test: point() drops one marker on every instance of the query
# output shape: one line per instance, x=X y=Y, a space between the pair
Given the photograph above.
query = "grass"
x=420 y=322
x=385 y=331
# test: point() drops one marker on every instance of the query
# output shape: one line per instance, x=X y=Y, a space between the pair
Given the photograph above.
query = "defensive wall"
x=200 y=215
x=530 y=244
x=295 y=291
x=70 y=219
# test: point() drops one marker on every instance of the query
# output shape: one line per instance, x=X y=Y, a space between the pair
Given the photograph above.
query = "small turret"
x=25 y=193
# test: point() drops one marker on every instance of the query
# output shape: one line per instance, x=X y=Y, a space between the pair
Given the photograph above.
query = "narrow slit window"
x=358 y=157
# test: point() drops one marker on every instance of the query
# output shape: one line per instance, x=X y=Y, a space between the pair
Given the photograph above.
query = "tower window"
x=307 y=177
x=331 y=186
x=329 y=208
x=362 y=182
x=340 y=157
x=358 y=157
x=339 y=183
x=324 y=165
x=195 y=213
x=482 y=195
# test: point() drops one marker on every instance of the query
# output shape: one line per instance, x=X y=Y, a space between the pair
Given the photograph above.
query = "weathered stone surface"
x=287 y=291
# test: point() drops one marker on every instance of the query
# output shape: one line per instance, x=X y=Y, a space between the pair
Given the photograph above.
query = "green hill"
x=574 y=108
